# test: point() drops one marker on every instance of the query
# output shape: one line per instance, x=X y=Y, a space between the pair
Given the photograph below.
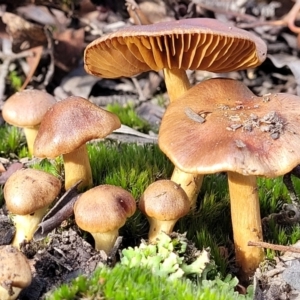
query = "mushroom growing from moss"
x=66 y=128
x=102 y=211
x=28 y=194
x=15 y=272
x=164 y=202
x=220 y=125
x=175 y=46
x=26 y=109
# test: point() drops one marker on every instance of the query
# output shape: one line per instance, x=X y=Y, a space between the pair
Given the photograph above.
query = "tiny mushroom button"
x=66 y=128
x=26 y=109
x=102 y=211
x=220 y=125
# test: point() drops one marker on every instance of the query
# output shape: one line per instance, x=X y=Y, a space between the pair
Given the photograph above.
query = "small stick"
x=274 y=247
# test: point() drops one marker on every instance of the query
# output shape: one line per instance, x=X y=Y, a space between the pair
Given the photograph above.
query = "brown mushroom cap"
x=196 y=44
x=220 y=125
x=27 y=108
x=104 y=208
x=28 y=190
x=14 y=268
x=164 y=200
x=69 y=124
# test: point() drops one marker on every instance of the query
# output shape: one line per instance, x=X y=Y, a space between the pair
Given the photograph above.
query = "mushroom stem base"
x=5 y=295
x=177 y=83
x=26 y=225
x=105 y=240
x=246 y=222
x=157 y=226
x=77 y=167
x=190 y=183
x=30 y=134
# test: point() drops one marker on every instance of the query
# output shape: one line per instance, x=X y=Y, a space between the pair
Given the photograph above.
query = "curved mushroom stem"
x=177 y=84
x=30 y=134
x=77 y=167
x=246 y=222
x=190 y=183
x=157 y=226
x=26 y=225
x=105 y=240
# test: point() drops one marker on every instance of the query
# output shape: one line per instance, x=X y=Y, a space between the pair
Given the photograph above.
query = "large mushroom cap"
x=69 y=124
x=104 y=208
x=27 y=108
x=220 y=125
x=197 y=44
x=28 y=190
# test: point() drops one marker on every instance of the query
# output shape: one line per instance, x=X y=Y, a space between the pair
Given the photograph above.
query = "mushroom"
x=175 y=46
x=15 y=272
x=164 y=202
x=66 y=128
x=28 y=194
x=220 y=125
x=26 y=109
x=101 y=211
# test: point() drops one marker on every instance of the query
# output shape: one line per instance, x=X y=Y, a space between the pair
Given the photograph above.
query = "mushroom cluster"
x=220 y=125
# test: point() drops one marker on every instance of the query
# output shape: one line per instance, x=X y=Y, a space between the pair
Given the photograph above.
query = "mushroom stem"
x=190 y=183
x=30 y=134
x=26 y=225
x=105 y=240
x=157 y=226
x=177 y=83
x=246 y=222
x=77 y=167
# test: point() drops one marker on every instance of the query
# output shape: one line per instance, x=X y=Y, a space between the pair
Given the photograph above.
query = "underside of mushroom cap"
x=196 y=44
x=220 y=125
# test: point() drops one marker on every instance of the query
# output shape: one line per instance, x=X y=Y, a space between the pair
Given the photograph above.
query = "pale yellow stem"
x=190 y=183
x=246 y=222
x=30 y=134
x=26 y=225
x=177 y=83
x=157 y=226
x=105 y=240
x=77 y=167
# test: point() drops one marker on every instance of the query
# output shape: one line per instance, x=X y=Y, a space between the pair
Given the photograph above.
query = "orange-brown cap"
x=28 y=190
x=196 y=44
x=69 y=124
x=220 y=125
x=104 y=208
x=164 y=200
x=27 y=108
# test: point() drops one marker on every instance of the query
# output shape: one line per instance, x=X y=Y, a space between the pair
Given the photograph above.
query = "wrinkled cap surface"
x=69 y=124
x=28 y=190
x=104 y=208
x=27 y=108
x=164 y=200
x=196 y=44
x=220 y=125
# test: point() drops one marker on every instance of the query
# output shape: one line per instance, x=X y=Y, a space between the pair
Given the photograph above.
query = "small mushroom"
x=26 y=109
x=28 y=194
x=102 y=211
x=65 y=129
x=164 y=202
x=244 y=151
x=15 y=272
x=175 y=46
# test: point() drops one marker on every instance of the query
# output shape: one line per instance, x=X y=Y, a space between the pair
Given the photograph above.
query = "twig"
x=274 y=247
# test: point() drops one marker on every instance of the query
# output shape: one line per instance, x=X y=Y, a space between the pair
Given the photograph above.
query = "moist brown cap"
x=164 y=200
x=104 y=208
x=69 y=124
x=220 y=125
x=195 y=44
x=28 y=190
x=27 y=108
